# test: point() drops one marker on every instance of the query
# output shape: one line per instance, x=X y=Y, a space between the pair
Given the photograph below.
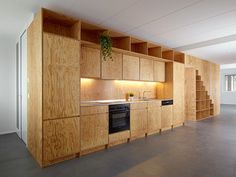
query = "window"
x=230 y=83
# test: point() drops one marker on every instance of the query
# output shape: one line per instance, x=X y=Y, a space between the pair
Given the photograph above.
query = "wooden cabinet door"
x=112 y=69
x=138 y=122
x=130 y=67
x=154 y=116
x=90 y=62
x=61 y=77
x=61 y=138
x=166 y=116
x=146 y=69
x=94 y=131
x=178 y=93
x=158 y=71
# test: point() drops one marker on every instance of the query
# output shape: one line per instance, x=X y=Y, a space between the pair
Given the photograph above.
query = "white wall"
x=227 y=97
x=7 y=86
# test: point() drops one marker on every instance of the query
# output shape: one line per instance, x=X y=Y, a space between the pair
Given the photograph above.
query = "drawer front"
x=94 y=131
x=141 y=105
x=154 y=104
x=89 y=110
x=61 y=138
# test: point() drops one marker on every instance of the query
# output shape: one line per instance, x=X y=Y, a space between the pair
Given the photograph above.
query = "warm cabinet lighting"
x=134 y=83
x=86 y=81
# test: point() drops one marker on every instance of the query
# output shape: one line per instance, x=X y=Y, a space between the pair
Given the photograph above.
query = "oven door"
x=119 y=121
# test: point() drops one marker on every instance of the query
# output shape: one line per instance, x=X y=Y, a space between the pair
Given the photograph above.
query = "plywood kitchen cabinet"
x=94 y=128
x=130 y=67
x=138 y=120
x=146 y=69
x=154 y=116
x=178 y=94
x=53 y=87
x=166 y=117
x=158 y=71
x=61 y=139
x=112 y=68
x=90 y=62
x=61 y=76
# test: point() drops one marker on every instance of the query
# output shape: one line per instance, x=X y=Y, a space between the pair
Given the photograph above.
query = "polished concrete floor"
x=201 y=149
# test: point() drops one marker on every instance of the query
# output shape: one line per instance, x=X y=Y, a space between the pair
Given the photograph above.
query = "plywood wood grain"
x=146 y=69
x=166 y=117
x=61 y=78
x=34 y=64
x=138 y=122
x=94 y=131
x=90 y=62
x=178 y=93
x=130 y=67
x=88 y=110
x=112 y=69
x=210 y=75
x=154 y=116
x=158 y=71
x=61 y=138
x=190 y=93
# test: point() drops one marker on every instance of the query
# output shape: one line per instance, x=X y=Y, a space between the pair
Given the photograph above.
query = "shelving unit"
x=90 y=32
x=61 y=25
x=204 y=106
x=139 y=46
x=179 y=57
x=154 y=50
x=120 y=41
x=168 y=54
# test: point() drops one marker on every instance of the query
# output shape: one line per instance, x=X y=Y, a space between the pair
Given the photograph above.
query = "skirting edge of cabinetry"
x=52 y=162
x=118 y=142
x=165 y=129
x=178 y=125
x=95 y=149
x=154 y=132
x=138 y=137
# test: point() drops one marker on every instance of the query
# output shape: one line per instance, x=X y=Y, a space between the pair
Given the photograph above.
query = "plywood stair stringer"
x=204 y=104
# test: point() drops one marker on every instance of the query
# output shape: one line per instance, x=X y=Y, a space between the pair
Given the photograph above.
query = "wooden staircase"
x=204 y=105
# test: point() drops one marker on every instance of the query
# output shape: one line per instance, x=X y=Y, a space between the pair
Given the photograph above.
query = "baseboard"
x=7 y=132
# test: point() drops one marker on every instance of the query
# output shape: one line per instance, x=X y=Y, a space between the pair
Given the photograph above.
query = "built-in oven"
x=119 y=117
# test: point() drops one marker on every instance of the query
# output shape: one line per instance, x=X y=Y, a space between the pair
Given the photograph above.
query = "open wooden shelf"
x=139 y=46
x=203 y=102
x=154 y=50
x=168 y=54
x=120 y=41
x=179 y=57
x=61 y=25
x=91 y=33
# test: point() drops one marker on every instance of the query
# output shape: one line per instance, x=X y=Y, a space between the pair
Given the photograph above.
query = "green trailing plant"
x=106 y=46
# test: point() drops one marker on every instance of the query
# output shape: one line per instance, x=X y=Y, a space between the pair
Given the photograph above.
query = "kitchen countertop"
x=119 y=101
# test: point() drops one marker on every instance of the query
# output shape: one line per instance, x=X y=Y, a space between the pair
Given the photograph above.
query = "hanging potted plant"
x=106 y=46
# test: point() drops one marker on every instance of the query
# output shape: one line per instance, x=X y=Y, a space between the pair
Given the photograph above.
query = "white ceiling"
x=176 y=24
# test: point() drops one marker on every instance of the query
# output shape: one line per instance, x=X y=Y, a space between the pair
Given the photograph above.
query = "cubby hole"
x=198 y=95
x=154 y=50
x=199 y=85
x=120 y=41
x=198 y=106
x=208 y=104
x=198 y=78
x=61 y=25
x=167 y=54
x=211 y=111
x=91 y=33
x=139 y=46
x=199 y=115
x=179 y=57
